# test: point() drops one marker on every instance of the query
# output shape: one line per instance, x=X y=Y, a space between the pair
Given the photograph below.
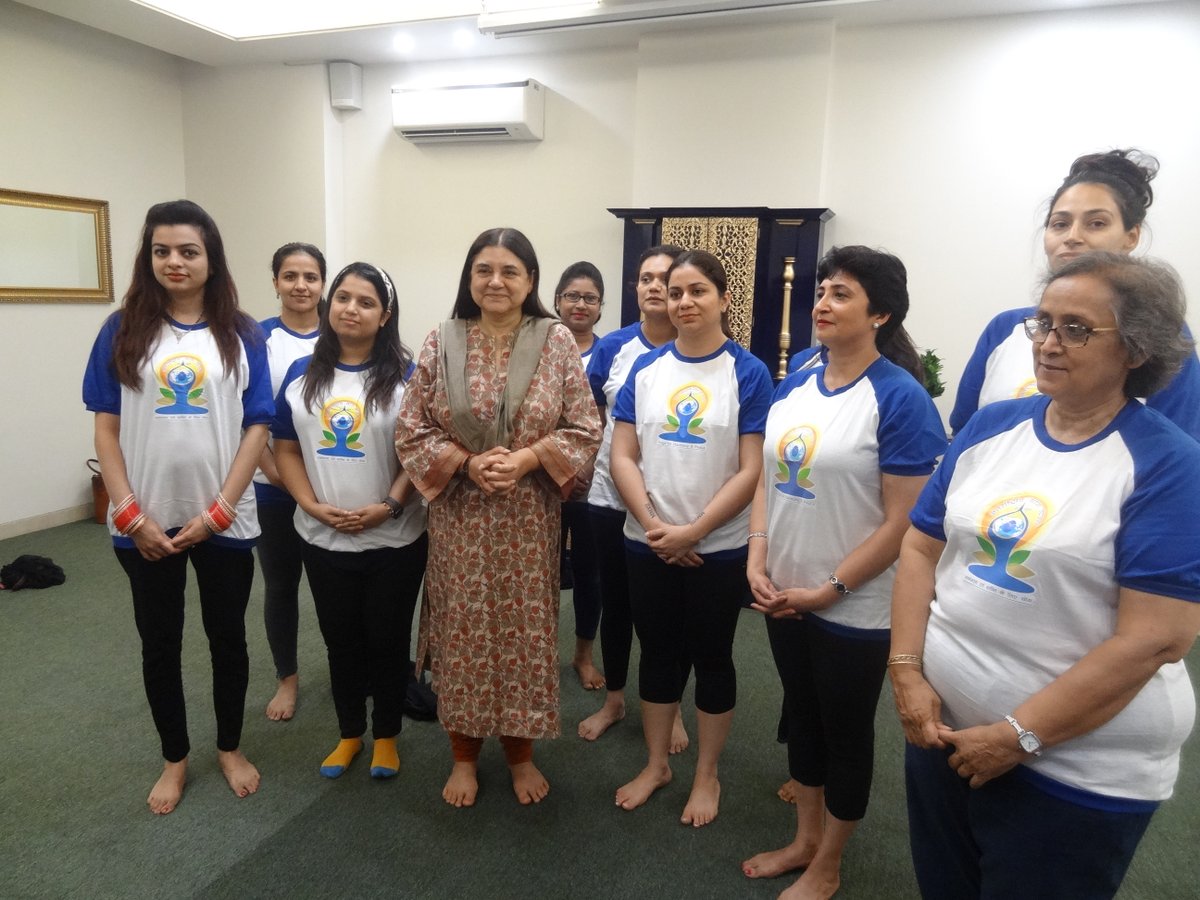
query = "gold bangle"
x=905 y=659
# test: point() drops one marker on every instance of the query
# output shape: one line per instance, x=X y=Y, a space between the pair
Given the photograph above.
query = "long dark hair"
x=1127 y=175
x=144 y=306
x=389 y=361
x=516 y=243
x=885 y=281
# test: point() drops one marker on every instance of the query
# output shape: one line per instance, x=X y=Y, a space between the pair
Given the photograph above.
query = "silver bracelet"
x=759 y=534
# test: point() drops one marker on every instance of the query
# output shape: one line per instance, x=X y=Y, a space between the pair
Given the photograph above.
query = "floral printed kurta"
x=489 y=622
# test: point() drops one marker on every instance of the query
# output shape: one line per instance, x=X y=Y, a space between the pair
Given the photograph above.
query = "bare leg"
x=656 y=725
x=243 y=778
x=711 y=731
x=823 y=876
x=679 y=737
x=462 y=785
x=283 y=705
x=529 y=784
x=810 y=828
x=168 y=790
x=787 y=791
x=590 y=677
x=612 y=712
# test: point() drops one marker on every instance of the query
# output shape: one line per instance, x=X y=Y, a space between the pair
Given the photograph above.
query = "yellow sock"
x=385 y=760
x=337 y=761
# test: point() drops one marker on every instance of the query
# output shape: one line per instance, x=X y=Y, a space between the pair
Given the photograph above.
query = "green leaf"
x=352 y=438
x=1019 y=557
x=696 y=422
x=672 y=421
x=987 y=547
x=783 y=469
x=329 y=436
x=170 y=395
x=196 y=393
x=803 y=474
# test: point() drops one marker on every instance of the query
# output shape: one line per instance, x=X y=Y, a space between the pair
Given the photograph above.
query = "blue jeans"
x=1009 y=838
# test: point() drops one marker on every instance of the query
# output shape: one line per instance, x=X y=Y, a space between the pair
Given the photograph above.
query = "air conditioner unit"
x=513 y=111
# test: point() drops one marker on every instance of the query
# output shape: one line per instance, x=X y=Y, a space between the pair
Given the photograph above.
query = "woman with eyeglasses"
x=1101 y=205
x=577 y=302
x=363 y=530
x=1047 y=592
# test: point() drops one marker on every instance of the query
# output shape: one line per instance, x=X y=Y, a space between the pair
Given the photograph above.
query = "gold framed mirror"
x=55 y=249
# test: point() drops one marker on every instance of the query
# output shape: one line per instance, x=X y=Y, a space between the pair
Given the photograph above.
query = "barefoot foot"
x=600 y=721
x=638 y=791
x=774 y=863
x=462 y=785
x=787 y=791
x=702 y=804
x=814 y=884
x=589 y=676
x=529 y=784
x=283 y=705
x=679 y=736
x=243 y=778
x=167 y=791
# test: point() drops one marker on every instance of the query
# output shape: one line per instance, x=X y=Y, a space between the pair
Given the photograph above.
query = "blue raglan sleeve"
x=282 y=426
x=258 y=406
x=1179 y=401
x=801 y=357
x=599 y=365
x=966 y=401
x=754 y=393
x=1159 y=535
x=910 y=433
x=625 y=409
x=101 y=390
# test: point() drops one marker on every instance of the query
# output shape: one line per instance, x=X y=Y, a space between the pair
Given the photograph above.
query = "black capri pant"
x=831 y=685
x=687 y=617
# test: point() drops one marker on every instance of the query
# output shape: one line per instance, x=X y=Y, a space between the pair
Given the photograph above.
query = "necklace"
x=180 y=332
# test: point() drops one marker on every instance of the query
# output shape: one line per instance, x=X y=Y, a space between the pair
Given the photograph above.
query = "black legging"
x=831 y=685
x=224 y=576
x=687 y=617
x=280 y=556
x=365 y=605
x=585 y=595
x=616 y=624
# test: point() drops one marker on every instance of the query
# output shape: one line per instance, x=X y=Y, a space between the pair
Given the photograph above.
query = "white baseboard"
x=46 y=520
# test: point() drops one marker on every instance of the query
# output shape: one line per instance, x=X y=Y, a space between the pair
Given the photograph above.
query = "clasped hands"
x=351 y=521
x=497 y=471
x=787 y=604
x=981 y=753
x=674 y=544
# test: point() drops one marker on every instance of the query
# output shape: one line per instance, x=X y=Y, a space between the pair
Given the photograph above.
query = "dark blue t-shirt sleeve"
x=966 y=401
x=258 y=406
x=910 y=433
x=282 y=426
x=1179 y=401
x=754 y=393
x=101 y=390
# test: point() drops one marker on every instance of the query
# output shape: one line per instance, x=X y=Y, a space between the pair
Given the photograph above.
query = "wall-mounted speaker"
x=345 y=85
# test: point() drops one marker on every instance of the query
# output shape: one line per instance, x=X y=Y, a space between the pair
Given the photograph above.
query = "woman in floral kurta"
x=489 y=624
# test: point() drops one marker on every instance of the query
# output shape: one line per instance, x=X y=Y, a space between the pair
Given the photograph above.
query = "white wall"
x=90 y=116
x=939 y=141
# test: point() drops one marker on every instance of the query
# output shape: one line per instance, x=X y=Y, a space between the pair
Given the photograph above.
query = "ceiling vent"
x=513 y=111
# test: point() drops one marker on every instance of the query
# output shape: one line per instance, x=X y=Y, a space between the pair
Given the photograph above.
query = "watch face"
x=1029 y=742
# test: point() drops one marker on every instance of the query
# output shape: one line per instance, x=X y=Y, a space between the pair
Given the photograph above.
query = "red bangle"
x=125 y=514
x=217 y=515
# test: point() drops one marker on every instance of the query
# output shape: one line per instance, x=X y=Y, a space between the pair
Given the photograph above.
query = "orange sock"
x=385 y=760
x=339 y=760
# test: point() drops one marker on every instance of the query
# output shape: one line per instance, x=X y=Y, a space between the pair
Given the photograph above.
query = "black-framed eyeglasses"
x=1070 y=334
x=576 y=297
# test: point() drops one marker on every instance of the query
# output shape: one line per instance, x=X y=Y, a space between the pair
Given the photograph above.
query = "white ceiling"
x=448 y=39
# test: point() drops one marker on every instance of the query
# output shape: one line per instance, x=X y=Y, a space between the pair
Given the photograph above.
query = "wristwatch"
x=1029 y=741
x=395 y=507
x=839 y=585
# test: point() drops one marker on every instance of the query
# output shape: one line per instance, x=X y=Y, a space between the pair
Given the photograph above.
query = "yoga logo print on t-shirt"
x=1027 y=388
x=794 y=455
x=342 y=418
x=687 y=406
x=1006 y=530
x=181 y=384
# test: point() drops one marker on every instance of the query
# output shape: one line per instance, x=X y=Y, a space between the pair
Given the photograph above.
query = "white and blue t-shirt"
x=1001 y=368
x=611 y=359
x=284 y=347
x=690 y=414
x=1040 y=538
x=349 y=456
x=180 y=433
x=824 y=456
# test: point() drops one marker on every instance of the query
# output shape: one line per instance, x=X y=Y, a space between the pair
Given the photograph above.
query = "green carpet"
x=79 y=754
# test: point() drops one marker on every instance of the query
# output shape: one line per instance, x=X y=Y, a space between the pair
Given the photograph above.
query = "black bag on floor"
x=30 y=572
